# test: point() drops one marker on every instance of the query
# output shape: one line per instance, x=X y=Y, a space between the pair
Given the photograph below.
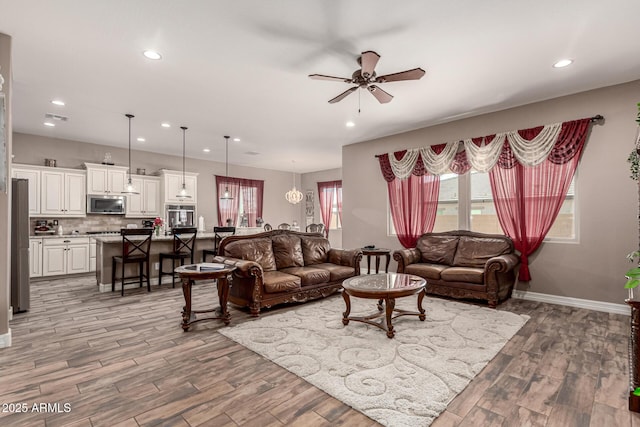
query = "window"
x=483 y=217
x=244 y=204
x=330 y=194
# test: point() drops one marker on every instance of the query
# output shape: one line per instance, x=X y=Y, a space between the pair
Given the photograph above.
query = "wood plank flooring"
x=105 y=360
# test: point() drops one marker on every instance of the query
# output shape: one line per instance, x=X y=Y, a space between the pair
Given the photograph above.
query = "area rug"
x=405 y=381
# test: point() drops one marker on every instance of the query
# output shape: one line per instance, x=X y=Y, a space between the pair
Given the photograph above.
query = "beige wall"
x=32 y=149
x=607 y=199
x=310 y=182
x=5 y=208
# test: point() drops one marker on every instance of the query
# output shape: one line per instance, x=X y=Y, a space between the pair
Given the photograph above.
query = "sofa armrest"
x=502 y=263
x=346 y=257
x=244 y=268
x=404 y=257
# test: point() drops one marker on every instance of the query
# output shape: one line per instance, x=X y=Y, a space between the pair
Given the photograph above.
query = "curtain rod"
x=596 y=118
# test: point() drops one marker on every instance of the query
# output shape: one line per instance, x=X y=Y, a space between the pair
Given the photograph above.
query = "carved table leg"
x=421 y=295
x=380 y=306
x=347 y=301
x=368 y=264
x=223 y=297
x=386 y=267
x=390 y=304
x=186 y=312
x=377 y=263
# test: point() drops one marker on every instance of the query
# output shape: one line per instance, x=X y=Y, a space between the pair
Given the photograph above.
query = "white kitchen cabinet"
x=147 y=203
x=63 y=193
x=105 y=179
x=35 y=257
x=33 y=175
x=172 y=184
x=65 y=256
x=92 y=254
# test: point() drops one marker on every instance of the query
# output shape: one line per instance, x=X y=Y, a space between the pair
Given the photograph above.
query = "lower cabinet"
x=65 y=256
x=92 y=254
x=35 y=257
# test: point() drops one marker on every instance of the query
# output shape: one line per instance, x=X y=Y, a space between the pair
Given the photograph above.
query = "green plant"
x=633 y=274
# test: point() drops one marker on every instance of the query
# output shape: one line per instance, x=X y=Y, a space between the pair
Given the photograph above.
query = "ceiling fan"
x=365 y=78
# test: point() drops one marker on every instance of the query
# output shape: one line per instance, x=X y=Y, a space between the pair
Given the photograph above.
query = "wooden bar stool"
x=220 y=233
x=136 y=245
x=184 y=243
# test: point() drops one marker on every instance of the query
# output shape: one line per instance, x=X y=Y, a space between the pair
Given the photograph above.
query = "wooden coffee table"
x=385 y=288
x=189 y=274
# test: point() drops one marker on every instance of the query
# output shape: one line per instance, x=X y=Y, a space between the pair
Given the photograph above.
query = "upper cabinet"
x=33 y=175
x=54 y=191
x=146 y=204
x=172 y=185
x=105 y=179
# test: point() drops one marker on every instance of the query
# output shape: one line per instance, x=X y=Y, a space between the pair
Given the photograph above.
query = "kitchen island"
x=109 y=246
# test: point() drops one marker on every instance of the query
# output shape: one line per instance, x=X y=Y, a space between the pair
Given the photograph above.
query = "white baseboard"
x=5 y=339
x=607 y=307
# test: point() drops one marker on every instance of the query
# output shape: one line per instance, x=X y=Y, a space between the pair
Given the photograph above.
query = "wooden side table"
x=377 y=252
x=189 y=274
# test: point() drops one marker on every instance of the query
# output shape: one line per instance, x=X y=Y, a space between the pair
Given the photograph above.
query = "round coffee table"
x=385 y=288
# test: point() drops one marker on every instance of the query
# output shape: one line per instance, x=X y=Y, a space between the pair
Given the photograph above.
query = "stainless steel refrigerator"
x=20 y=297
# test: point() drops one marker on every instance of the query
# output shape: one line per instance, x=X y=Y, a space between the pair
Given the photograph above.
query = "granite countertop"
x=117 y=239
x=58 y=236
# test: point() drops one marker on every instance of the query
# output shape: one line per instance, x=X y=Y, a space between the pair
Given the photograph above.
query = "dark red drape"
x=326 y=191
x=528 y=199
x=251 y=191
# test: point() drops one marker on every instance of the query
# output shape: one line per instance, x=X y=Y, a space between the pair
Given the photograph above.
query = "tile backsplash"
x=92 y=223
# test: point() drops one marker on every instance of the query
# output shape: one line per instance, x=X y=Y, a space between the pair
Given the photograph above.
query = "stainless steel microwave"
x=106 y=205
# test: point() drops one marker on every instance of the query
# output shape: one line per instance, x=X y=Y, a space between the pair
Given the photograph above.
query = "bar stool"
x=134 y=251
x=184 y=242
x=217 y=238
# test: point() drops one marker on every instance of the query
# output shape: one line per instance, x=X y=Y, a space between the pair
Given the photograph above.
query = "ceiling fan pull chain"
x=359 y=95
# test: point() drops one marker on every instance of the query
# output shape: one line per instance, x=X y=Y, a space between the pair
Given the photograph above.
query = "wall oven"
x=106 y=205
x=181 y=216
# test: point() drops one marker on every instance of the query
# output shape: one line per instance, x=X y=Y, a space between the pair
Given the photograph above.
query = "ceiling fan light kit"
x=366 y=78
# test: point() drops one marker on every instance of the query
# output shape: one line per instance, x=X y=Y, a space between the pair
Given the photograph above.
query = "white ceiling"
x=240 y=68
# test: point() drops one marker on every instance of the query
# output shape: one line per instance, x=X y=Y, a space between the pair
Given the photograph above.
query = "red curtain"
x=414 y=204
x=250 y=190
x=326 y=191
x=528 y=199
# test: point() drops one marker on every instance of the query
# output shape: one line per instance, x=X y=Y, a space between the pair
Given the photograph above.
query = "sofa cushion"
x=315 y=249
x=425 y=270
x=438 y=249
x=258 y=250
x=476 y=251
x=463 y=274
x=337 y=272
x=308 y=275
x=277 y=281
x=287 y=251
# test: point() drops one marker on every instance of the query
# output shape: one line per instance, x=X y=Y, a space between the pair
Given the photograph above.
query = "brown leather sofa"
x=282 y=266
x=463 y=264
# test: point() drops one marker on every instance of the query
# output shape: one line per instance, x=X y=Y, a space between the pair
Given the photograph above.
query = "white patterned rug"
x=405 y=381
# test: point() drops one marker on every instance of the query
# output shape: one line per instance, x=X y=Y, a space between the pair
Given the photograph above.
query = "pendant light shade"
x=129 y=188
x=294 y=196
x=226 y=195
x=183 y=194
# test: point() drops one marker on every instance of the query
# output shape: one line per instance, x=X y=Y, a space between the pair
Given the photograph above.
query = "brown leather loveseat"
x=463 y=264
x=282 y=266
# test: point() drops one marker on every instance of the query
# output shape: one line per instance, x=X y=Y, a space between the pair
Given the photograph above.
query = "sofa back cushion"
x=315 y=249
x=438 y=249
x=476 y=251
x=287 y=251
x=258 y=250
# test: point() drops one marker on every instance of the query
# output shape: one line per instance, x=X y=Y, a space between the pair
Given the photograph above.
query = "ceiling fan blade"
x=414 y=74
x=322 y=77
x=382 y=96
x=368 y=61
x=343 y=95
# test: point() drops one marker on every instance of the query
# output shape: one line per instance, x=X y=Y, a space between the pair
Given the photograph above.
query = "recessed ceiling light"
x=206 y=150
x=350 y=124
x=563 y=63
x=141 y=139
x=151 y=54
x=236 y=139
x=49 y=124
x=165 y=125
x=57 y=102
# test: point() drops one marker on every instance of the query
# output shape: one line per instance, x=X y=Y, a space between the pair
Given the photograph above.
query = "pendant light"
x=183 y=192
x=226 y=195
x=294 y=196
x=129 y=188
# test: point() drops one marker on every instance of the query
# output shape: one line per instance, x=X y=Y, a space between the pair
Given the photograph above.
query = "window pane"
x=447 y=215
x=484 y=218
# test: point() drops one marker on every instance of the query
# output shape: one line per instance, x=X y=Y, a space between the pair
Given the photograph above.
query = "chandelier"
x=294 y=196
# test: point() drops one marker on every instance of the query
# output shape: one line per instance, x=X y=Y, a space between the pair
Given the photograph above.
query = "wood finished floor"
x=125 y=361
